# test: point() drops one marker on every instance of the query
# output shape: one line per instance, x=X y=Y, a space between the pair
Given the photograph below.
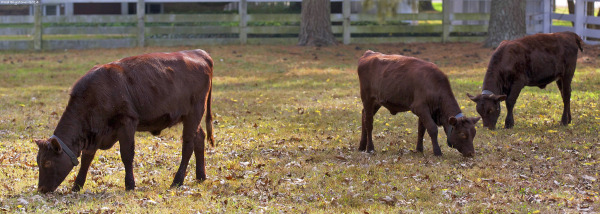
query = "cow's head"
x=488 y=106
x=54 y=164
x=461 y=133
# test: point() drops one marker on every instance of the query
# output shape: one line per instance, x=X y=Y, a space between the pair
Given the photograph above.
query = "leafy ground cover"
x=287 y=124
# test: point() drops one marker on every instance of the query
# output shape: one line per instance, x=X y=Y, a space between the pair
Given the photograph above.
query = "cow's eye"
x=463 y=135
x=47 y=164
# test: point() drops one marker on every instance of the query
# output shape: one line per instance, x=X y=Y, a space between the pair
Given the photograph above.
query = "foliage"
x=287 y=124
x=385 y=8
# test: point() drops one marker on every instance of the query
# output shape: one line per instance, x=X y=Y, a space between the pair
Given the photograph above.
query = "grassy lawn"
x=287 y=125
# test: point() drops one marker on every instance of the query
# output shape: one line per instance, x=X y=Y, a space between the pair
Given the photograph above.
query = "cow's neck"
x=449 y=108
x=492 y=82
x=69 y=130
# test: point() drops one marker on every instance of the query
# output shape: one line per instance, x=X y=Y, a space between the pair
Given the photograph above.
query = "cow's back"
x=157 y=89
x=395 y=80
x=541 y=58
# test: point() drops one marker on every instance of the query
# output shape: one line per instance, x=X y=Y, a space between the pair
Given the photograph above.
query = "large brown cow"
x=401 y=83
x=110 y=102
x=535 y=60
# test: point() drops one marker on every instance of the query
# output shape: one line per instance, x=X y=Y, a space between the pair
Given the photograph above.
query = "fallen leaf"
x=342 y=158
x=589 y=178
x=388 y=200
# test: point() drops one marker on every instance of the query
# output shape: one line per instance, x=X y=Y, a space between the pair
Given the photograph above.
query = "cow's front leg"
x=127 y=143
x=430 y=126
x=86 y=160
x=511 y=100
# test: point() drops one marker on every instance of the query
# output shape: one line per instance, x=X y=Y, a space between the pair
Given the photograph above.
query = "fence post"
x=446 y=21
x=579 y=24
x=141 y=13
x=69 y=9
x=547 y=11
x=243 y=11
x=124 y=8
x=346 y=24
x=37 y=26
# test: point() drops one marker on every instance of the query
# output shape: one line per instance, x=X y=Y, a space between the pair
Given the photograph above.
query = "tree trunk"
x=315 y=26
x=425 y=6
x=507 y=21
x=571 y=6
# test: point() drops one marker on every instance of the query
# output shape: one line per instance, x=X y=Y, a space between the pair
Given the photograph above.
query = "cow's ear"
x=499 y=98
x=55 y=145
x=474 y=120
x=41 y=143
x=474 y=98
x=452 y=121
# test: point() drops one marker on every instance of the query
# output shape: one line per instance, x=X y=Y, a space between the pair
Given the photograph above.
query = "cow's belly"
x=156 y=125
x=395 y=100
x=395 y=108
x=541 y=81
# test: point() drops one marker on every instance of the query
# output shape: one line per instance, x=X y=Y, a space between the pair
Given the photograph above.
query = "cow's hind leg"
x=199 y=153
x=193 y=135
x=366 y=141
x=127 y=143
x=565 y=91
x=86 y=160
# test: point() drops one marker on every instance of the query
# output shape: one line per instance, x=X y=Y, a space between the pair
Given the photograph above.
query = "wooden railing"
x=114 y=31
x=588 y=27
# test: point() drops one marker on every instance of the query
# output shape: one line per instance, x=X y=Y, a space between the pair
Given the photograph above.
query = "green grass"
x=287 y=125
x=69 y=37
x=437 y=6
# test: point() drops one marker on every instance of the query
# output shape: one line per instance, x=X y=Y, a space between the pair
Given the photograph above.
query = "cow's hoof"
x=76 y=188
x=176 y=184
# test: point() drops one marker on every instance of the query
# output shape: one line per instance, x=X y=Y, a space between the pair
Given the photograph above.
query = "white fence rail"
x=461 y=20
x=588 y=27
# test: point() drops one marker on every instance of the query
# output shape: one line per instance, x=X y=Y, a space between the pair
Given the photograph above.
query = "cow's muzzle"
x=469 y=154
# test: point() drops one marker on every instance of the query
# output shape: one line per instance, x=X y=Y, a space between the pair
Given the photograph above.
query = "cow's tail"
x=579 y=41
x=209 y=128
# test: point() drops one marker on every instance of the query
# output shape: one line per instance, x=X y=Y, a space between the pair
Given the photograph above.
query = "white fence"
x=461 y=20
x=588 y=27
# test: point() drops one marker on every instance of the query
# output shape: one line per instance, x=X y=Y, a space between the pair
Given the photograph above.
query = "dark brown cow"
x=401 y=83
x=111 y=102
x=535 y=60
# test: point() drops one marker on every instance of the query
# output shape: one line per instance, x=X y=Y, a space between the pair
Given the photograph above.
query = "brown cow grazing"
x=111 y=102
x=401 y=83
x=535 y=60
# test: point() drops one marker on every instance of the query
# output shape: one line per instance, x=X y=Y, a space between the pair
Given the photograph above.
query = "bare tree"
x=315 y=26
x=507 y=21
